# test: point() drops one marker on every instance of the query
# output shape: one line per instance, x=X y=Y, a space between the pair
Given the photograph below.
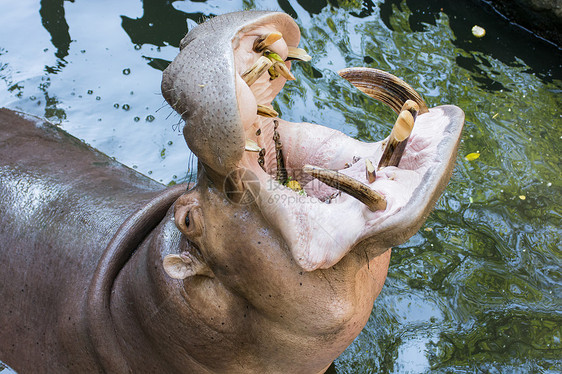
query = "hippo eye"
x=187 y=220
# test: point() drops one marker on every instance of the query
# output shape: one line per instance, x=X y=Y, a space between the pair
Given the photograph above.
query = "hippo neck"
x=173 y=325
x=120 y=249
x=148 y=311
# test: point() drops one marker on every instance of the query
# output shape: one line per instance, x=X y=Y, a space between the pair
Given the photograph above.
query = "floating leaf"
x=478 y=31
x=472 y=156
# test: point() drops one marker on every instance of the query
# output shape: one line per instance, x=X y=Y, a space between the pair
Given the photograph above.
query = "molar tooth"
x=349 y=185
x=266 y=111
x=251 y=75
x=261 y=159
x=298 y=54
x=281 y=171
x=398 y=137
x=264 y=41
x=252 y=146
x=282 y=69
x=370 y=171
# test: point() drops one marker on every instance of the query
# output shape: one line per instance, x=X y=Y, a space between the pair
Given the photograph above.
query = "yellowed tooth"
x=281 y=171
x=251 y=75
x=384 y=87
x=266 y=111
x=252 y=146
x=261 y=159
x=282 y=69
x=298 y=54
x=412 y=107
x=397 y=140
x=266 y=40
x=370 y=171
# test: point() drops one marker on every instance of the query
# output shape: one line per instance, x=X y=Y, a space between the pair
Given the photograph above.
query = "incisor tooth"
x=266 y=40
x=298 y=54
x=370 y=174
x=282 y=69
x=266 y=111
x=349 y=185
x=251 y=75
x=252 y=146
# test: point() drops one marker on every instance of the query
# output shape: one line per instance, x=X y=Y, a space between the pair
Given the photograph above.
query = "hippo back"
x=60 y=204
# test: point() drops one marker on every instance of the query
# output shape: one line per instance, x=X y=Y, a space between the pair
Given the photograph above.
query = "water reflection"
x=504 y=42
x=52 y=18
x=161 y=24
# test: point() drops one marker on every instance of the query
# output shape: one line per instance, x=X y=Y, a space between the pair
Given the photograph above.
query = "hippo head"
x=251 y=161
x=290 y=222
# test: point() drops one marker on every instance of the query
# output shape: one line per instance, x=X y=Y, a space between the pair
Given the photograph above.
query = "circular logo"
x=241 y=186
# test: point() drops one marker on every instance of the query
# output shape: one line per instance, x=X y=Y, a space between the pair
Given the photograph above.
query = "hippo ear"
x=185 y=265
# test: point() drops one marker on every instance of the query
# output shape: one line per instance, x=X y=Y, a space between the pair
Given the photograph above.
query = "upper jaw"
x=201 y=84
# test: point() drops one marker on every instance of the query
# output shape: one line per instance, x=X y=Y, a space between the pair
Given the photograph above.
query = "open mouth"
x=321 y=187
x=325 y=192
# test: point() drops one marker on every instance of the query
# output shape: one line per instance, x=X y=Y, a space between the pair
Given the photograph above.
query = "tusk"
x=298 y=54
x=252 y=146
x=374 y=200
x=384 y=87
x=370 y=174
x=264 y=41
x=251 y=75
x=412 y=107
x=266 y=111
x=397 y=140
x=281 y=171
x=283 y=70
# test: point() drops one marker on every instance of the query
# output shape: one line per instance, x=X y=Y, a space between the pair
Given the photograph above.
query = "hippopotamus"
x=269 y=263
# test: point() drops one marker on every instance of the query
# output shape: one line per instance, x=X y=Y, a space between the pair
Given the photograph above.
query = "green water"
x=479 y=287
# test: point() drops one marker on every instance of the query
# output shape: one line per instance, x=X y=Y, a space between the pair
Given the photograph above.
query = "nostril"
x=188 y=220
x=182 y=219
